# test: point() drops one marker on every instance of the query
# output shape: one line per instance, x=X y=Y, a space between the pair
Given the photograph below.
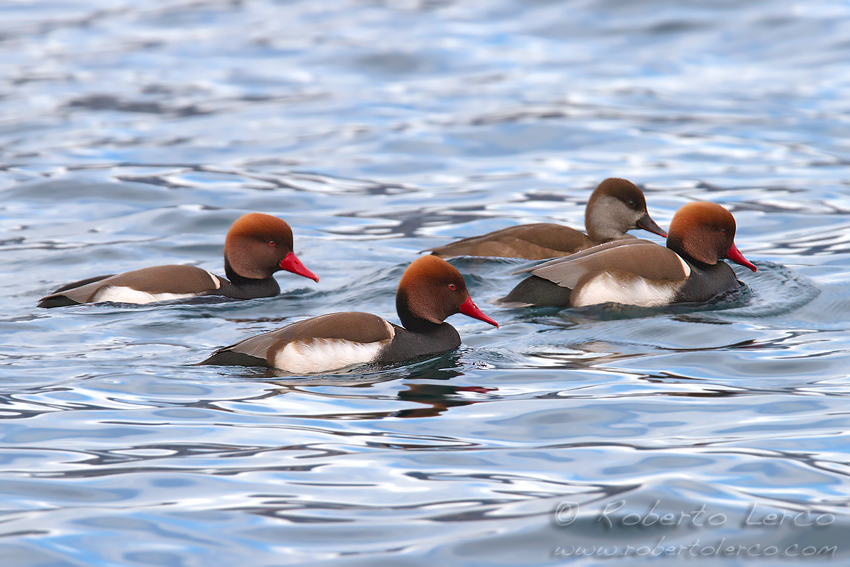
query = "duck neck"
x=410 y=320
x=677 y=245
x=242 y=281
x=601 y=223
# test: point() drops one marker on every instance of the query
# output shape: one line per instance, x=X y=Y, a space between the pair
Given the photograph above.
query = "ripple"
x=134 y=135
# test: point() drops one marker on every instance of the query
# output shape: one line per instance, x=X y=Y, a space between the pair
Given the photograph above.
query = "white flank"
x=216 y=281
x=323 y=355
x=121 y=294
x=685 y=266
x=607 y=288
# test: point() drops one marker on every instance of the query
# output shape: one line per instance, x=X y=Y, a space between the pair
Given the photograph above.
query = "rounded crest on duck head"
x=430 y=291
x=616 y=207
x=705 y=232
x=258 y=245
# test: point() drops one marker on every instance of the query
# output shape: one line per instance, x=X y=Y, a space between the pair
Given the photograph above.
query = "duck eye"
x=631 y=204
x=452 y=286
x=271 y=242
x=722 y=231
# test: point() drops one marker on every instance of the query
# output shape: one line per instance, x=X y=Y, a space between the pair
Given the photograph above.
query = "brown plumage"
x=640 y=272
x=429 y=291
x=615 y=207
x=256 y=246
x=247 y=249
x=702 y=231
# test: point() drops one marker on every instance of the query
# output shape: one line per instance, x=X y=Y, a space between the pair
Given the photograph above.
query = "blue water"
x=134 y=133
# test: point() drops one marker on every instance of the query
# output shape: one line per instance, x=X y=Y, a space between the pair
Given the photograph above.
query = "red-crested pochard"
x=614 y=208
x=640 y=272
x=257 y=245
x=430 y=290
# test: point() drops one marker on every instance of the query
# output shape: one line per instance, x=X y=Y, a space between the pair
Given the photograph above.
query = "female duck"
x=614 y=208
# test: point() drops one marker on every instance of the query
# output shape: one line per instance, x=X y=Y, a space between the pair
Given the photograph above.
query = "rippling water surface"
x=134 y=133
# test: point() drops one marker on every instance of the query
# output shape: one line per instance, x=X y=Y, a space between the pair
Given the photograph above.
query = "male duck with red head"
x=615 y=207
x=642 y=273
x=430 y=290
x=257 y=246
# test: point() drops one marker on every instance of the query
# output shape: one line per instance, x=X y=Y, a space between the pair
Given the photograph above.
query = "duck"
x=430 y=290
x=615 y=207
x=640 y=272
x=256 y=246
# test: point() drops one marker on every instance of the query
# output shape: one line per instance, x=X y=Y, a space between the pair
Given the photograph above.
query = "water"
x=133 y=134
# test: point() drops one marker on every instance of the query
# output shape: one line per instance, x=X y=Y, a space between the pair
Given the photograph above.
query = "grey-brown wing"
x=349 y=326
x=80 y=283
x=177 y=279
x=74 y=293
x=536 y=241
x=640 y=257
x=585 y=252
x=71 y=294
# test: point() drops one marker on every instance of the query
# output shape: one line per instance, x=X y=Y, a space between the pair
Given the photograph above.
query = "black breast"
x=245 y=288
x=706 y=282
x=535 y=290
x=407 y=345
